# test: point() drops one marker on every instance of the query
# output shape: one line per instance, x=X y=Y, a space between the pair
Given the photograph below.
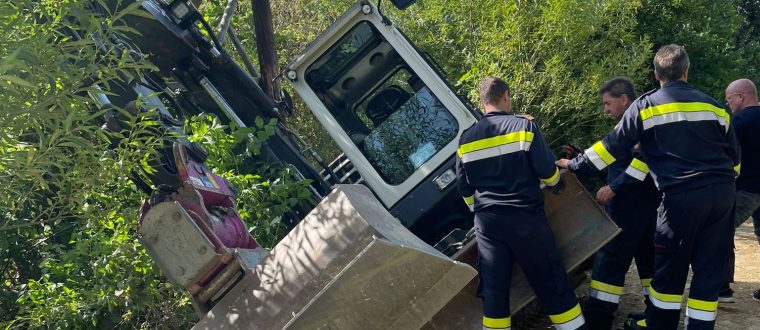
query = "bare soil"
x=743 y=314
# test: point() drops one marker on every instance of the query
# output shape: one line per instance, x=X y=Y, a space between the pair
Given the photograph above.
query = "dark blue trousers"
x=612 y=261
x=693 y=228
x=505 y=236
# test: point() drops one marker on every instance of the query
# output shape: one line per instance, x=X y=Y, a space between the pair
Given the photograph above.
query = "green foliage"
x=263 y=198
x=101 y=277
x=296 y=24
x=67 y=228
x=747 y=47
x=554 y=54
x=68 y=249
x=51 y=147
x=708 y=31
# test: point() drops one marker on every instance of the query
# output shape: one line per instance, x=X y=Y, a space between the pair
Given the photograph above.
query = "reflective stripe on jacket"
x=634 y=188
x=685 y=135
x=502 y=160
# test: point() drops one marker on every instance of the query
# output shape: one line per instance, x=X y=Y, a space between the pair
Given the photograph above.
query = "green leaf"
x=130 y=9
x=16 y=80
x=10 y=324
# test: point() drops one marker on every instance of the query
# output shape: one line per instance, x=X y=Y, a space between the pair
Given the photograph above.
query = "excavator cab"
x=392 y=114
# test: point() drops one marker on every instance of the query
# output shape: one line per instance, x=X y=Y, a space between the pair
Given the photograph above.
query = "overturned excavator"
x=385 y=240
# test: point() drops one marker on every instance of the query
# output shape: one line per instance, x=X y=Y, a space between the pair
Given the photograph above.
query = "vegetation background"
x=69 y=257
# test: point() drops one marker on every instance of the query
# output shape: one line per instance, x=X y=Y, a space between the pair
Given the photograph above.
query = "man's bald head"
x=742 y=86
x=740 y=94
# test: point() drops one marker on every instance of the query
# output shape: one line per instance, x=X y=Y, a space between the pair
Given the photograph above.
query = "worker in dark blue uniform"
x=631 y=200
x=690 y=149
x=502 y=160
x=741 y=96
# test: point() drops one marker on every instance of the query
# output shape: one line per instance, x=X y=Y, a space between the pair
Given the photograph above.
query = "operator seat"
x=382 y=104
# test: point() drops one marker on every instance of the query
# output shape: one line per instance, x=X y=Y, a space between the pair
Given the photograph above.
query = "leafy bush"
x=70 y=258
x=102 y=277
x=707 y=29
x=67 y=235
x=554 y=54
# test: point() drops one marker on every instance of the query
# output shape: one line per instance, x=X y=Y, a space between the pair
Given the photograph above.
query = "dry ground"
x=743 y=314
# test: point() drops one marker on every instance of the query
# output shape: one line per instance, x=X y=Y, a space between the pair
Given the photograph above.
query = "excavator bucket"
x=348 y=265
x=580 y=228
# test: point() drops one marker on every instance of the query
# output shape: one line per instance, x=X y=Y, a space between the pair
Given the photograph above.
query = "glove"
x=570 y=151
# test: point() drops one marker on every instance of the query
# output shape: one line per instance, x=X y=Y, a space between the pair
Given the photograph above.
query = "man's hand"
x=604 y=195
x=562 y=162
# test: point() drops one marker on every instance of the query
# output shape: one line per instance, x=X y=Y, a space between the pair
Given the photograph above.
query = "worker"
x=690 y=149
x=631 y=200
x=502 y=160
x=741 y=96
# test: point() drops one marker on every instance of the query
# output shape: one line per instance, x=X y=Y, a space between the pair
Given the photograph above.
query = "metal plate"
x=176 y=244
x=387 y=286
x=348 y=263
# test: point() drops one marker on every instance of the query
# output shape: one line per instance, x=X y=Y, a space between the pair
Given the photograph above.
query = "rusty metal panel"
x=580 y=228
x=184 y=255
x=347 y=239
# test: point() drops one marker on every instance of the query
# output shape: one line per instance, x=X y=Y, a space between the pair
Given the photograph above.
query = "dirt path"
x=743 y=314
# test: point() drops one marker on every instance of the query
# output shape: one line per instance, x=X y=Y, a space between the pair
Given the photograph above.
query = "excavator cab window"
x=387 y=111
x=409 y=136
x=382 y=104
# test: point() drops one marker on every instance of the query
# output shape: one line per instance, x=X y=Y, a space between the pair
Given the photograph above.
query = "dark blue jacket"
x=634 y=188
x=502 y=160
x=685 y=137
x=747 y=127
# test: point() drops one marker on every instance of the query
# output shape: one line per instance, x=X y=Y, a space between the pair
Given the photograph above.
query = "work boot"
x=598 y=321
x=726 y=296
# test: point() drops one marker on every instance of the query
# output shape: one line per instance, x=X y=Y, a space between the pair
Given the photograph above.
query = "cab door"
x=391 y=114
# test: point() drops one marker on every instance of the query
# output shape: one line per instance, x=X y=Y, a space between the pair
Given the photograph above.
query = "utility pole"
x=269 y=67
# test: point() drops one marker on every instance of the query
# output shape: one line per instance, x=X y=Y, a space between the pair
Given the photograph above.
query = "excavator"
x=385 y=241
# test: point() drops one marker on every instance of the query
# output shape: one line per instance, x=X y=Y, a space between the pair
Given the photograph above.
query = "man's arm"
x=467 y=192
x=616 y=144
x=632 y=178
x=541 y=158
x=733 y=149
x=634 y=175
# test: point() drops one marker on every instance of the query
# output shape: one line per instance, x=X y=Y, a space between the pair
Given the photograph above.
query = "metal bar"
x=219 y=282
x=224 y=24
x=243 y=55
x=221 y=102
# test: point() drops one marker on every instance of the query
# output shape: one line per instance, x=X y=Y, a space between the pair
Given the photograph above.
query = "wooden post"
x=269 y=68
